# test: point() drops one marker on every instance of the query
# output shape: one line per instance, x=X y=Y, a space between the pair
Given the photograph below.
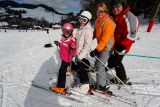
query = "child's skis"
x=67 y=95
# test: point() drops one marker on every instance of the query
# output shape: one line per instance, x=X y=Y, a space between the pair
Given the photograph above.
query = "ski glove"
x=56 y=43
x=120 y=48
x=83 y=64
x=94 y=53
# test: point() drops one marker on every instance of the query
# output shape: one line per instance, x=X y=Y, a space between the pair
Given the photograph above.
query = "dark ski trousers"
x=115 y=60
x=62 y=74
x=82 y=70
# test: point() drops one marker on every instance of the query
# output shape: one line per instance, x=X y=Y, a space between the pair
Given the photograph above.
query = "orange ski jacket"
x=104 y=33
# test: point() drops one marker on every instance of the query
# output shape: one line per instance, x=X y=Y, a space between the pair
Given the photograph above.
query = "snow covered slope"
x=23 y=58
x=40 y=13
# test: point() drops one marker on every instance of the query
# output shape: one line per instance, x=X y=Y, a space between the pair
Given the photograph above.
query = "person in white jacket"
x=84 y=36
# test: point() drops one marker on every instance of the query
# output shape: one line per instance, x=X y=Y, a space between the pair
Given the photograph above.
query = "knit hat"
x=124 y=3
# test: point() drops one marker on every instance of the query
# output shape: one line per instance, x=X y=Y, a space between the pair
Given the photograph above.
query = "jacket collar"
x=99 y=20
x=122 y=13
x=64 y=38
x=88 y=25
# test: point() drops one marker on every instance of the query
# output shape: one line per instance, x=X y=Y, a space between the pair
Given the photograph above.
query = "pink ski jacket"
x=67 y=48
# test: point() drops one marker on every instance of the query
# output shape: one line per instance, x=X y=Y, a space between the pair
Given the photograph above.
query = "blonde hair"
x=103 y=6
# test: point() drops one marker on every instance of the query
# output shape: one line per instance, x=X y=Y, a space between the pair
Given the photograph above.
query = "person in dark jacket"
x=125 y=35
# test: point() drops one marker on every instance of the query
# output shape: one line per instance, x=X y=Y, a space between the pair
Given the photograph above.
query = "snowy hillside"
x=60 y=7
x=24 y=59
x=63 y=6
x=40 y=13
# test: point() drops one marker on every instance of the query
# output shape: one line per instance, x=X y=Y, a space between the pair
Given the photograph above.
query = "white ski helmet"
x=86 y=14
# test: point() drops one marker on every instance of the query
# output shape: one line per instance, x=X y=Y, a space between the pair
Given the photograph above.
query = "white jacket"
x=84 y=37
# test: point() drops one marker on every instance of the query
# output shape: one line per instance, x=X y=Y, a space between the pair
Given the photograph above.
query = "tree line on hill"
x=138 y=7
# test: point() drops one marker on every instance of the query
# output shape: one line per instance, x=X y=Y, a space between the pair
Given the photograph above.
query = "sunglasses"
x=100 y=11
x=83 y=19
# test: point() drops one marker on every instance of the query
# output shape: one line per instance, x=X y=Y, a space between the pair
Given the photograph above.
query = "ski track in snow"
x=25 y=60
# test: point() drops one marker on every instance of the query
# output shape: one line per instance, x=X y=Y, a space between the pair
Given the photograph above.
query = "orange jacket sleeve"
x=106 y=35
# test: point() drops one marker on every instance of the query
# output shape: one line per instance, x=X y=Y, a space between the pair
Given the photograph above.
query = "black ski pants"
x=115 y=60
x=62 y=74
x=83 y=70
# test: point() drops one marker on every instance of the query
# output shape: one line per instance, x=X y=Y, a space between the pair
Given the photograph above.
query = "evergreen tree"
x=150 y=8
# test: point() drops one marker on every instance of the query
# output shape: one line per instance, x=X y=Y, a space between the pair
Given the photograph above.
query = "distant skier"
x=125 y=35
x=67 y=47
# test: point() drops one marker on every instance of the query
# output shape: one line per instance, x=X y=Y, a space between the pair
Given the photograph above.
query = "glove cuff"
x=96 y=52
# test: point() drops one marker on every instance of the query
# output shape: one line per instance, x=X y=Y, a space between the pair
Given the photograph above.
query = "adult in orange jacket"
x=104 y=34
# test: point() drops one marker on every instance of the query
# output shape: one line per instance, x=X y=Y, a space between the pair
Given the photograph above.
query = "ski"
x=116 y=97
x=104 y=100
x=147 y=94
x=125 y=100
x=67 y=95
x=144 y=89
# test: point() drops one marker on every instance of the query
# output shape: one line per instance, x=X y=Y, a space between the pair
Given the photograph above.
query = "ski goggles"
x=83 y=19
x=66 y=32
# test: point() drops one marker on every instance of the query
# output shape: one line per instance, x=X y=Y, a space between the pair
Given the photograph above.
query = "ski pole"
x=58 y=49
x=49 y=38
x=48 y=35
x=90 y=68
x=114 y=75
x=49 y=44
x=108 y=68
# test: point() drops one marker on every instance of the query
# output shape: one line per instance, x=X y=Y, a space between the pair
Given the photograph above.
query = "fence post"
x=150 y=25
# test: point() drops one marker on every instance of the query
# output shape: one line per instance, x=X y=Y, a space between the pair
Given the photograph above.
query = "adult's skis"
x=116 y=97
x=101 y=99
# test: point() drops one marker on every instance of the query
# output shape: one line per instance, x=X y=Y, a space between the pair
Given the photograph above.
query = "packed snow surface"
x=23 y=59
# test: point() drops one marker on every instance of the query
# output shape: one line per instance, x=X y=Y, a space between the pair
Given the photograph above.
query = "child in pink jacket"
x=67 y=46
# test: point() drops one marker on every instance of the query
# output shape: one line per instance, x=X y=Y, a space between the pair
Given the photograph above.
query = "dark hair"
x=124 y=3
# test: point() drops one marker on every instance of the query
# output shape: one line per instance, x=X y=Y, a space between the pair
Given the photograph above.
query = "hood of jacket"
x=122 y=13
